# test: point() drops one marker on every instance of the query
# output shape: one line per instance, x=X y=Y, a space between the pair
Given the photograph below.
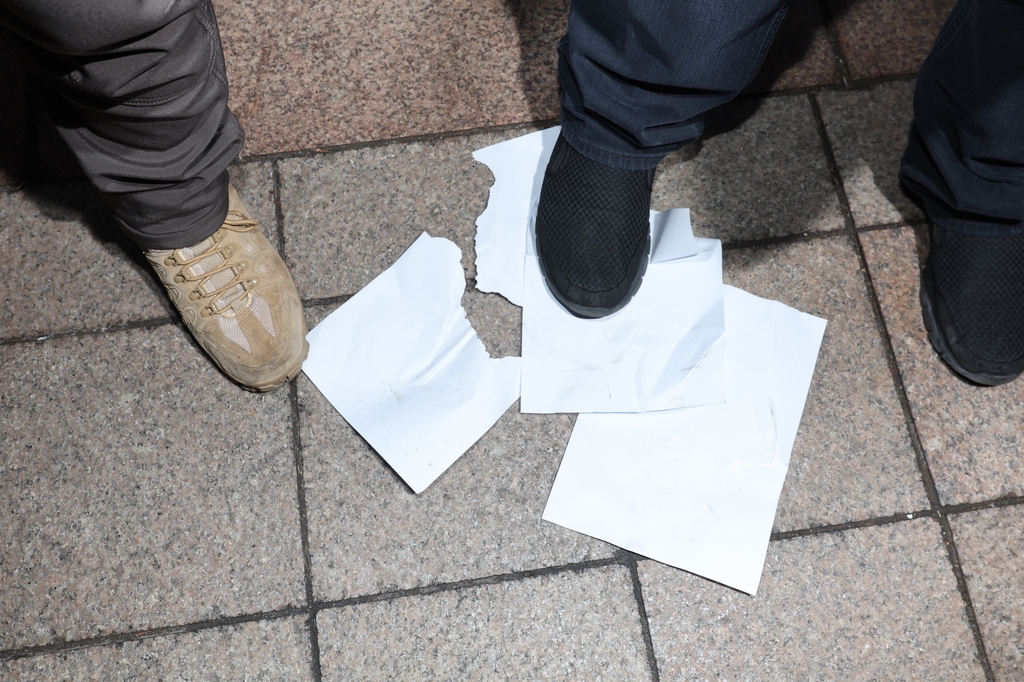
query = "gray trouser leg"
x=138 y=91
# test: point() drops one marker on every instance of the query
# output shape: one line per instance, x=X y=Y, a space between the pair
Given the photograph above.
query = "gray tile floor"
x=158 y=523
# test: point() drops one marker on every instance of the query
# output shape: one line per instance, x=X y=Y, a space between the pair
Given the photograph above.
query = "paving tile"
x=853 y=458
x=887 y=37
x=307 y=74
x=990 y=543
x=369 y=533
x=972 y=435
x=82 y=244
x=875 y=603
x=139 y=488
x=74 y=269
x=579 y=626
x=760 y=172
x=497 y=322
x=801 y=55
x=349 y=216
x=268 y=650
x=869 y=130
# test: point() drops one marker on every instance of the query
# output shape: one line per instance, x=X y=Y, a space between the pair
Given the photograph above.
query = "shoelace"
x=222 y=296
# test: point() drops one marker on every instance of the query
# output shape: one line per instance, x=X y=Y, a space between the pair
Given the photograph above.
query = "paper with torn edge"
x=697 y=488
x=518 y=168
x=400 y=361
x=662 y=351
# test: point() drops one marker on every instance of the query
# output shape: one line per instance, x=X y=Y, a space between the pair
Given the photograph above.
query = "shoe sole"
x=285 y=377
x=939 y=342
x=586 y=312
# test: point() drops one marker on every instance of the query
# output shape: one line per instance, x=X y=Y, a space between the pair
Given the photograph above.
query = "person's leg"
x=140 y=96
x=965 y=161
x=637 y=77
x=138 y=91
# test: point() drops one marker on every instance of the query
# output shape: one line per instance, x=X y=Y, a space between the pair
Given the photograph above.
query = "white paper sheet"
x=400 y=361
x=662 y=351
x=697 y=488
x=518 y=168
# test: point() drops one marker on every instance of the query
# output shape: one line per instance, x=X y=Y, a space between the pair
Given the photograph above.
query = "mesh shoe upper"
x=592 y=227
x=981 y=280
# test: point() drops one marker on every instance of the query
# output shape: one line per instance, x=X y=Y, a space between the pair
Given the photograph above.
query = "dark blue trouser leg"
x=638 y=75
x=966 y=157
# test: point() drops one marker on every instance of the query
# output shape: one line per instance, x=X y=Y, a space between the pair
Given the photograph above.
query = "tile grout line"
x=933 y=512
x=315 y=666
x=829 y=25
x=150 y=323
x=853 y=85
x=307 y=559
x=469 y=583
x=275 y=177
x=310 y=610
x=152 y=633
x=327 y=300
x=913 y=222
x=965 y=593
x=645 y=623
x=997 y=503
x=783 y=535
x=924 y=469
x=384 y=142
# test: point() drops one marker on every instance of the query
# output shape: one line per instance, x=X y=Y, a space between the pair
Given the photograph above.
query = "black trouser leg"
x=638 y=75
x=966 y=157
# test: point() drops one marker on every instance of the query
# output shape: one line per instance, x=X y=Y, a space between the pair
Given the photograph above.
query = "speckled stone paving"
x=156 y=522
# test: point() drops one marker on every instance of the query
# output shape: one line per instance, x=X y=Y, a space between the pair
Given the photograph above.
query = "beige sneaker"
x=238 y=299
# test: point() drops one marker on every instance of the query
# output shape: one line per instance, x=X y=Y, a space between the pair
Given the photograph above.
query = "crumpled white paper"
x=400 y=361
x=697 y=488
x=662 y=351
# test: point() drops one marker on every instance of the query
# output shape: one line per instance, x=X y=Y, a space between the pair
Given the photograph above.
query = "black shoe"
x=972 y=297
x=593 y=231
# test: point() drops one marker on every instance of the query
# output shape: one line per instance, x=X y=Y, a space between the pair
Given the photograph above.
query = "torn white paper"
x=672 y=236
x=518 y=168
x=400 y=361
x=697 y=488
x=660 y=352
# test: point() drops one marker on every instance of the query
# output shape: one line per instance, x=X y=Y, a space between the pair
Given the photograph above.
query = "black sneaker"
x=593 y=231
x=972 y=297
